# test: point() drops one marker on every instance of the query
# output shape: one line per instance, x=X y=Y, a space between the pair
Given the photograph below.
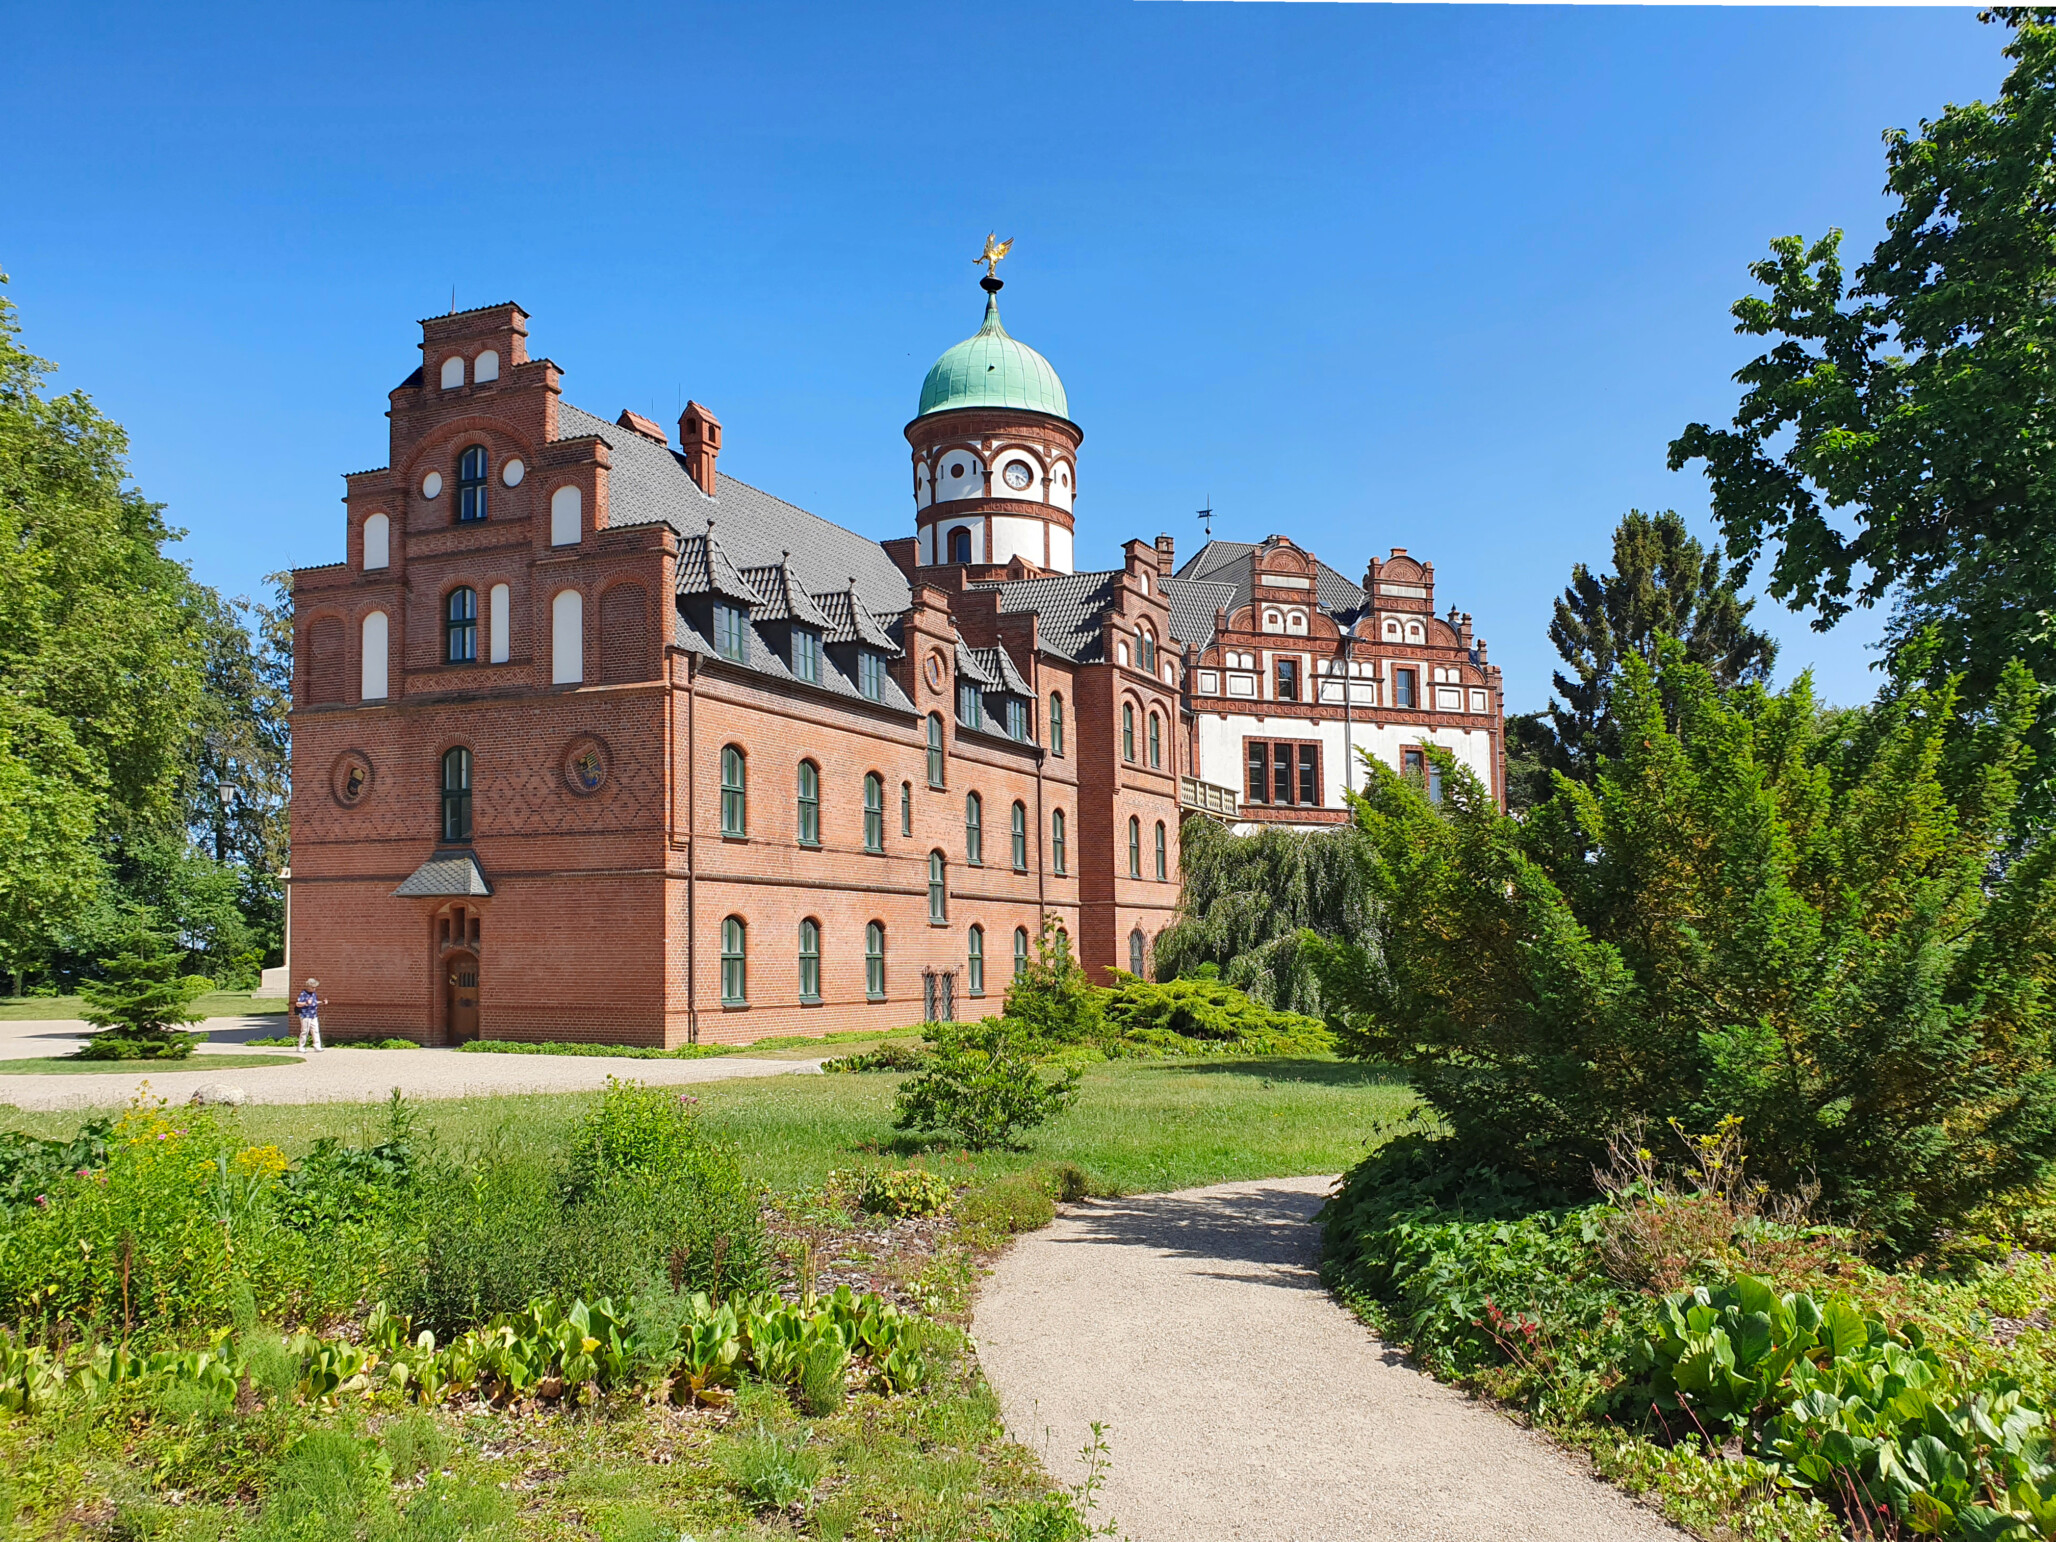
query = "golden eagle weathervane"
x=994 y=250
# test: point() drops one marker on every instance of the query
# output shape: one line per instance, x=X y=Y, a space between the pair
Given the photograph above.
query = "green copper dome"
x=990 y=369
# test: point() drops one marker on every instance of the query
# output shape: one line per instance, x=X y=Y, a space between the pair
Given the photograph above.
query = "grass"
x=65 y=1065
x=28 y=1009
x=1140 y=1126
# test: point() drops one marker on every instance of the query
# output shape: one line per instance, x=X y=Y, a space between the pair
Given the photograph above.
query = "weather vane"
x=994 y=250
x=1207 y=514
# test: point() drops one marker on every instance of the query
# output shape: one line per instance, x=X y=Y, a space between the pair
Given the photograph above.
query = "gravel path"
x=1242 y=1402
x=341 y=1075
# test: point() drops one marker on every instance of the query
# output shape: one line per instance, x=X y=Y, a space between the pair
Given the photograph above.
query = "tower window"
x=735 y=977
x=457 y=794
x=974 y=830
x=810 y=804
x=471 y=468
x=960 y=543
x=460 y=626
x=810 y=960
x=874 y=813
x=938 y=891
x=1148 y=647
x=735 y=808
x=1127 y=731
x=1156 y=740
x=1019 y=834
x=975 y=948
x=1163 y=858
x=935 y=749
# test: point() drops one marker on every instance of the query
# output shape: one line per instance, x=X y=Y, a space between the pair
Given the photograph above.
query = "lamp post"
x=285 y=887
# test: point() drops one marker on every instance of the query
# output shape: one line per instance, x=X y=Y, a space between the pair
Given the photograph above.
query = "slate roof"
x=447 y=872
x=850 y=621
x=1228 y=562
x=971 y=666
x=781 y=598
x=1071 y=606
x=1193 y=603
x=648 y=484
x=704 y=568
x=999 y=664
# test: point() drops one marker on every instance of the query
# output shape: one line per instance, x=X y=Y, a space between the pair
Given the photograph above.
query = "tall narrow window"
x=1163 y=853
x=1434 y=782
x=735 y=805
x=1136 y=959
x=806 y=654
x=810 y=804
x=1259 y=771
x=1056 y=724
x=1156 y=741
x=935 y=749
x=906 y=808
x=874 y=961
x=970 y=704
x=375 y=632
x=1017 y=718
x=1127 y=731
x=1056 y=842
x=1310 y=775
x=1404 y=689
x=567 y=638
x=460 y=626
x=874 y=812
x=976 y=959
x=735 y=976
x=471 y=483
x=1019 y=833
x=974 y=830
x=1281 y=773
x=960 y=545
x=730 y=622
x=1020 y=951
x=1288 y=679
x=457 y=794
x=938 y=891
x=1148 y=651
x=871 y=675
x=810 y=960
x=1134 y=847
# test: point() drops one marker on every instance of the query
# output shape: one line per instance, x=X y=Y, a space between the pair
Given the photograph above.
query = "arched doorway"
x=460 y=992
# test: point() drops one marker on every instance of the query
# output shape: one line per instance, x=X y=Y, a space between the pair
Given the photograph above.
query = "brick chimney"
x=1166 y=550
x=699 y=435
x=635 y=422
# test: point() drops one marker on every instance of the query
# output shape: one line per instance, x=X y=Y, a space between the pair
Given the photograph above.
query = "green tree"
x=1663 y=584
x=1898 y=436
x=1759 y=909
x=1247 y=900
x=1050 y=1001
x=51 y=802
x=980 y=1083
x=141 y=1000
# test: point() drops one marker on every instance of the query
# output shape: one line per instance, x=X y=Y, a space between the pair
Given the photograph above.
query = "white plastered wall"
x=1013 y=536
x=1060 y=549
x=1221 y=746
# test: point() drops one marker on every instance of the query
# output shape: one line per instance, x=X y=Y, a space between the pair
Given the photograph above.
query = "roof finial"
x=1207 y=514
x=995 y=249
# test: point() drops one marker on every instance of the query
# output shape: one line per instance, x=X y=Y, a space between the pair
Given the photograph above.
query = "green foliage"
x=1759 y=910
x=886 y=1057
x=31 y=1168
x=1050 y=1002
x=1663 y=584
x=594 y=1051
x=1246 y=901
x=1202 y=1016
x=982 y=1086
x=772 y=1468
x=903 y=1191
x=1006 y=1206
x=142 y=999
x=1912 y=406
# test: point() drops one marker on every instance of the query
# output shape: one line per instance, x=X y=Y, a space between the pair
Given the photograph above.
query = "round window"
x=1018 y=475
x=431 y=484
x=512 y=473
x=956 y=468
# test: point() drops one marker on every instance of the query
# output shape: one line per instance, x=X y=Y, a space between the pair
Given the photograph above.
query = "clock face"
x=1018 y=475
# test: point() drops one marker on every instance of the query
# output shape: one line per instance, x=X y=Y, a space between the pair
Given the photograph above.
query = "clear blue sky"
x=1442 y=278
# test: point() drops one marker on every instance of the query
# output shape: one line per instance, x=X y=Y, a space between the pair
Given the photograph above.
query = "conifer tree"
x=141 y=1000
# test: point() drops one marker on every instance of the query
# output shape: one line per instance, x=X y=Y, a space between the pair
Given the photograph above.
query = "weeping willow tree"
x=1247 y=898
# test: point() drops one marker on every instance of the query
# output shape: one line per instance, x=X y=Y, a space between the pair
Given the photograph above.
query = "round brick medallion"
x=351 y=778
x=585 y=766
x=934 y=669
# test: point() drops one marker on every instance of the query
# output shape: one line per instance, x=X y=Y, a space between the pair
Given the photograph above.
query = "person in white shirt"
x=309 y=1005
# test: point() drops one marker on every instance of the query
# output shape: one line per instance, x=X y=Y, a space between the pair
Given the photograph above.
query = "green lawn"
x=1140 y=1126
x=65 y=1065
x=18 y=1009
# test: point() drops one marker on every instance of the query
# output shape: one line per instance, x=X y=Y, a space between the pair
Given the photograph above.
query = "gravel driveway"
x=341 y=1075
x=1242 y=1402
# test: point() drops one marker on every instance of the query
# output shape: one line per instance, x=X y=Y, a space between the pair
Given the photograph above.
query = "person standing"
x=309 y=1005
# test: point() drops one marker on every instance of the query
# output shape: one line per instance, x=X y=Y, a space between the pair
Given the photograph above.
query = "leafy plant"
x=982 y=1086
x=1050 y=1002
x=1203 y=1016
x=773 y=1469
x=903 y=1191
x=886 y=1057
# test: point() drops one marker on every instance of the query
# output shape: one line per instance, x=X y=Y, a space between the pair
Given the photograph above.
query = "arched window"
x=735 y=796
x=1020 y=951
x=457 y=794
x=974 y=830
x=935 y=749
x=735 y=970
x=810 y=960
x=906 y=808
x=1056 y=724
x=1136 y=945
x=378 y=542
x=938 y=892
x=485 y=367
x=874 y=961
x=874 y=812
x=1019 y=832
x=1163 y=853
x=460 y=626
x=471 y=483
x=976 y=959
x=1156 y=741
x=1134 y=847
x=960 y=544
x=1127 y=731
x=567 y=638
x=1056 y=842
x=373 y=659
x=810 y=804
x=567 y=516
x=453 y=373
x=1148 y=651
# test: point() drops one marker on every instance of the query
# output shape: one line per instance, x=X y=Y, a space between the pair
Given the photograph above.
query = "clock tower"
x=995 y=454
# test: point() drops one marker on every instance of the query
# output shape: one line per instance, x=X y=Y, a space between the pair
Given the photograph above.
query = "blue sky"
x=1441 y=278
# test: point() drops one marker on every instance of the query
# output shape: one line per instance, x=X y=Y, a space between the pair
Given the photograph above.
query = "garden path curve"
x=1242 y=1402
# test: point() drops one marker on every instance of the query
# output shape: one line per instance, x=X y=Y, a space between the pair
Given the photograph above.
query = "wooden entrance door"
x=461 y=987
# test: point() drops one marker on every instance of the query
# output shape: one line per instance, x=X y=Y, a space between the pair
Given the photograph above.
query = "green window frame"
x=1128 y=732
x=974 y=829
x=1163 y=856
x=871 y=675
x=1156 y=741
x=1148 y=651
x=1056 y=724
x=810 y=804
x=806 y=654
x=810 y=960
x=457 y=794
x=728 y=631
x=471 y=484
x=1020 y=951
x=1019 y=833
x=735 y=962
x=935 y=758
x=1134 y=847
x=735 y=804
x=975 y=958
x=906 y=808
x=460 y=626
x=874 y=961
x=1056 y=842
x=874 y=812
x=938 y=889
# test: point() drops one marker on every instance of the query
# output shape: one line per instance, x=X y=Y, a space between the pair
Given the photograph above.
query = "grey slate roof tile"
x=850 y=621
x=447 y=872
x=781 y=597
x=1193 y=603
x=704 y=568
x=1071 y=606
x=1228 y=561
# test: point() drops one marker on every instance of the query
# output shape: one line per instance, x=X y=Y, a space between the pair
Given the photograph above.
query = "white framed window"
x=567 y=510
x=567 y=638
x=499 y=623
x=453 y=372
x=378 y=551
x=486 y=367
x=375 y=635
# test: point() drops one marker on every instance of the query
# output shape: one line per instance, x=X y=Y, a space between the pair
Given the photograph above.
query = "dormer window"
x=806 y=654
x=1017 y=719
x=471 y=468
x=871 y=675
x=970 y=705
x=730 y=623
